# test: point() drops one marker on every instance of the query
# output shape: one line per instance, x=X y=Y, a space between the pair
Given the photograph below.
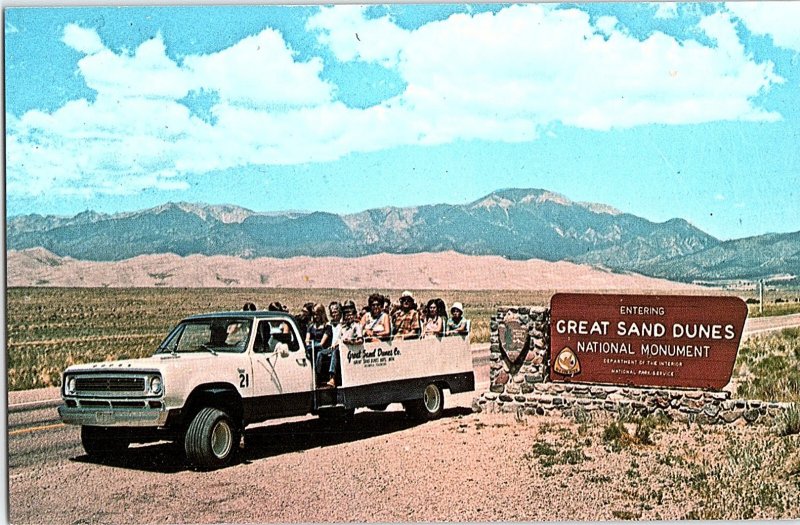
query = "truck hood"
x=160 y=362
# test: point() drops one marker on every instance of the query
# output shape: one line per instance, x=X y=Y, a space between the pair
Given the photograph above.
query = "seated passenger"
x=249 y=307
x=275 y=306
x=457 y=324
x=376 y=322
x=349 y=334
x=266 y=343
x=319 y=338
x=335 y=311
x=406 y=319
x=441 y=310
x=432 y=324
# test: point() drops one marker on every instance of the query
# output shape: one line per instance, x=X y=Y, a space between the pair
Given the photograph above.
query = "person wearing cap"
x=457 y=324
x=406 y=319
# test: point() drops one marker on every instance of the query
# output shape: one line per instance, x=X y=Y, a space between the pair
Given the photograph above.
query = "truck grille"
x=111 y=385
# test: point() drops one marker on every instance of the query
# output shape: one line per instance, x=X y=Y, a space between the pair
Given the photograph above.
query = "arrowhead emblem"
x=514 y=340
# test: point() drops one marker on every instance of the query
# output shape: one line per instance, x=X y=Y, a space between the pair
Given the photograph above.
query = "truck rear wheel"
x=102 y=442
x=428 y=407
x=212 y=439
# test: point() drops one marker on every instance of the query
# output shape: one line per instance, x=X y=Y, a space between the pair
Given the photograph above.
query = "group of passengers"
x=379 y=319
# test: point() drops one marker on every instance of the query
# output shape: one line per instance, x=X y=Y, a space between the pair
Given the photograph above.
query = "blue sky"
x=661 y=110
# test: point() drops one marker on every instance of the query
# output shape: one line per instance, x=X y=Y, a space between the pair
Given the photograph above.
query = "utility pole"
x=761 y=296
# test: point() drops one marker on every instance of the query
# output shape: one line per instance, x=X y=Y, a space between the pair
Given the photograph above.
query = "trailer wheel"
x=101 y=442
x=429 y=406
x=212 y=439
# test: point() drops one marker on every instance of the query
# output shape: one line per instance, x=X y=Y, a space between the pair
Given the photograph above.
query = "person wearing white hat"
x=406 y=319
x=457 y=324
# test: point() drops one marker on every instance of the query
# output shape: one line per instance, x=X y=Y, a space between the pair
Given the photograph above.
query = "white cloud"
x=137 y=134
x=550 y=65
x=351 y=36
x=502 y=76
x=778 y=20
x=607 y=24
x=260 y=70
x=86 y=41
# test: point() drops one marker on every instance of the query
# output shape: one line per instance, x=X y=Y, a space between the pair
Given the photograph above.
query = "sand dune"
x=446 y=270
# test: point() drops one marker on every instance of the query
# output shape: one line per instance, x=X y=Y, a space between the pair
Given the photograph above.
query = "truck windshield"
x=208 y=335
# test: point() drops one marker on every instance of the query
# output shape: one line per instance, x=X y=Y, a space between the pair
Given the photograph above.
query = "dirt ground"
x=388 y=468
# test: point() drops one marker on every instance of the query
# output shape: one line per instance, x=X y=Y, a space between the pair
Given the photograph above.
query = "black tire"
x=211 y=440
x=103 y=442
x=429 y=406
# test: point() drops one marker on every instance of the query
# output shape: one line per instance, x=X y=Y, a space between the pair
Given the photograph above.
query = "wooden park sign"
x=645 y=340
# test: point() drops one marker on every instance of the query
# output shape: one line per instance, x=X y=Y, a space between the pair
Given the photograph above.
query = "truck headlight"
x=156 y=385
x=69 y=385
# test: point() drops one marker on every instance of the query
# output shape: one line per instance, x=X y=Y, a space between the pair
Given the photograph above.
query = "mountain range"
x=517 y=224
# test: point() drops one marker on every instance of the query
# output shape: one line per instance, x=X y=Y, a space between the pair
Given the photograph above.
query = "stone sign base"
x=682 y=405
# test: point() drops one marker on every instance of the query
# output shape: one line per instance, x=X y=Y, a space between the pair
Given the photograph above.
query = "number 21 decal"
x=244 y=380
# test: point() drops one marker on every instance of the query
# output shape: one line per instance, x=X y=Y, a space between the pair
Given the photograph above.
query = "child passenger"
x=457 y=324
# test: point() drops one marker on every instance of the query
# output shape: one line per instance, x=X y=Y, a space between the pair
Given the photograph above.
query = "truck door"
x=282 y=375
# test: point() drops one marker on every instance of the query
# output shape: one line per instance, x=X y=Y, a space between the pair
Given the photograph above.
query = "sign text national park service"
x=645 y=340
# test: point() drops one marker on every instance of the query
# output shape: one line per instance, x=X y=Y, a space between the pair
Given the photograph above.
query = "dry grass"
x=661 y=469
x=49 y=329
x=768 y=367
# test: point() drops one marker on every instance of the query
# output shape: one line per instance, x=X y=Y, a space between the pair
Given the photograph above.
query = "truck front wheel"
x=212 y=439
x=102 y=442
x=430 y=406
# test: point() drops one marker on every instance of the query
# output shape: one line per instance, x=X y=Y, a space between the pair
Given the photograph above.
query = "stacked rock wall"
x=519 y=382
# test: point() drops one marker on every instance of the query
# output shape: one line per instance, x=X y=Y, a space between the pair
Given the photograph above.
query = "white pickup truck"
x=214 y=374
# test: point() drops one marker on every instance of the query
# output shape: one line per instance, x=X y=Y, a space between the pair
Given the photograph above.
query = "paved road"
x=758 y=325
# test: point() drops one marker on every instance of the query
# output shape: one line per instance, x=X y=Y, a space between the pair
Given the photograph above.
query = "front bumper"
x=109 y=417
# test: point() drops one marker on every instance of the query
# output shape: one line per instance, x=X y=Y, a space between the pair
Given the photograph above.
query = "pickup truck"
x=215 y=374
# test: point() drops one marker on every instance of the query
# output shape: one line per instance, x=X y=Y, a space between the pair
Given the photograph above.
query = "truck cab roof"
x=261 y=314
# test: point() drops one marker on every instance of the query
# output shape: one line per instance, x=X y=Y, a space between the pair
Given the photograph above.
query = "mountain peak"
x=535 y=196
x=514 y=196
x=225 y=213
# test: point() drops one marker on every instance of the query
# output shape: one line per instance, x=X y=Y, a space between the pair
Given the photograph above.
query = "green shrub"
x=789 y=420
